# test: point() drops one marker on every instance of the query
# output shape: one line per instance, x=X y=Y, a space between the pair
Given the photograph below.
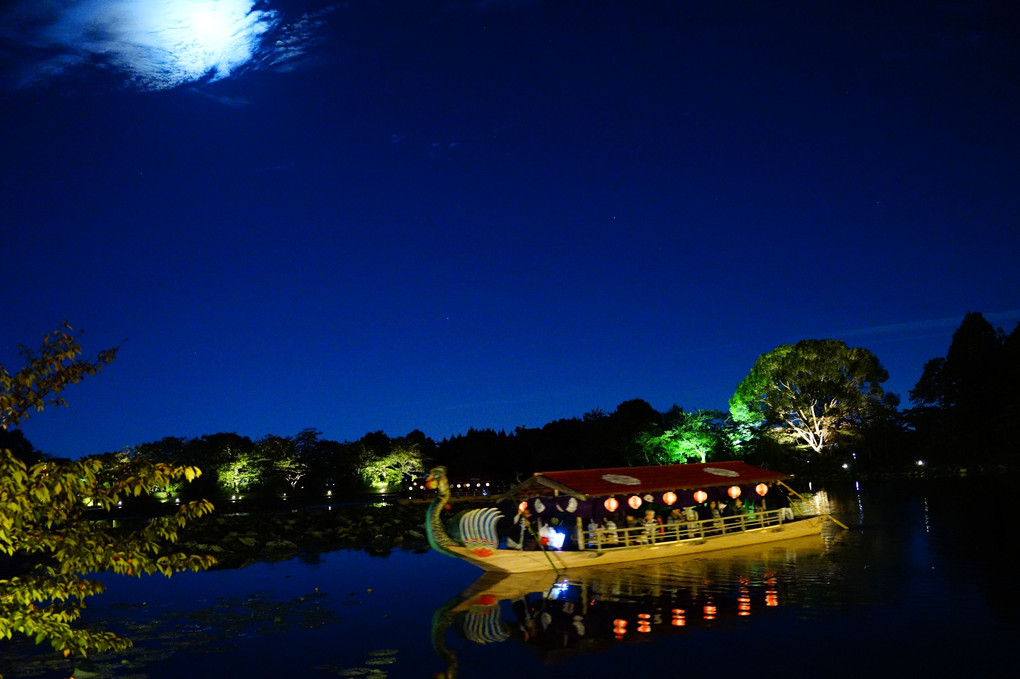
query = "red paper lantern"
x=611 y=504
x=521 y=507
x=700 y=496
x=733 y=492
x=669 y=497
x=634 y=501
x=761 y=489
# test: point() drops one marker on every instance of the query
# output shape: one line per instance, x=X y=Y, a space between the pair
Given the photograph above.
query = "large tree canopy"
x=811 y=391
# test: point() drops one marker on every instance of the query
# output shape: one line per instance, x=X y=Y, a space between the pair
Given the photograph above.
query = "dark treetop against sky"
x=435 y=215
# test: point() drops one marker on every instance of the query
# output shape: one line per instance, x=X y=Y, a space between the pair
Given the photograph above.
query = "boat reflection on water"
x=591 y=610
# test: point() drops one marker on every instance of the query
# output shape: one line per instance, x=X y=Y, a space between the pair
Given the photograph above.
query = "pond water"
x=921 y=583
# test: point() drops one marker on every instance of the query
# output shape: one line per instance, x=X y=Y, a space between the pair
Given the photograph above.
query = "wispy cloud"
x=942 y=324
x=155 y=45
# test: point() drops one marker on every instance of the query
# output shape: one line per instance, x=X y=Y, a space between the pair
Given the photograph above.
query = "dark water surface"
x=921 y=584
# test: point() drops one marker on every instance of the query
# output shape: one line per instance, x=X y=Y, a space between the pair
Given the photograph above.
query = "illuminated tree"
x=244 y=470
x=391 y=469
x=811 y=392
x=282 y=460
x=42 y=509
x=689 y=437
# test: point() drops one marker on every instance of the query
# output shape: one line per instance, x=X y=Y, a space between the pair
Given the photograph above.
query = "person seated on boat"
x=715 y=516
x=610 y=536
x=675 y=521
x=733 y=512
x=653 y=526
x=596 y=534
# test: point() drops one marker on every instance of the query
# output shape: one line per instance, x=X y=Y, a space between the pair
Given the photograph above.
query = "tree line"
x=816 y=404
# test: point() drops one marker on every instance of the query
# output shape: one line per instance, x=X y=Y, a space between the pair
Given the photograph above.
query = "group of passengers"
x=711 y=517
x=626 y=528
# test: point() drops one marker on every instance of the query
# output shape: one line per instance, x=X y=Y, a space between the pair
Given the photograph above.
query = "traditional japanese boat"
x=579 y=518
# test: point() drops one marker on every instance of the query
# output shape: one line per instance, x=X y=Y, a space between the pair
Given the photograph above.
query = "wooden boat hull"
x=518 y=561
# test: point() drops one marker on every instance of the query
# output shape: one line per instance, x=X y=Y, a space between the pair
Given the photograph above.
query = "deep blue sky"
x=433 y=215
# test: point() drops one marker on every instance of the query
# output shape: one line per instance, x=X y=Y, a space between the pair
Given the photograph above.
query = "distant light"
x=920 y=463
x=846 y=466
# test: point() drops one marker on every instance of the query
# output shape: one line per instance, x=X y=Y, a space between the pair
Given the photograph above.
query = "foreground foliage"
x=52 y=532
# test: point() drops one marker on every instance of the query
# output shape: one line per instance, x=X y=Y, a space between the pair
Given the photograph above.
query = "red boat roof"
x=584 y=483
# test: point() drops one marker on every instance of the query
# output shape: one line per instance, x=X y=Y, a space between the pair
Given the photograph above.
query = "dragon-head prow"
x=437 y=480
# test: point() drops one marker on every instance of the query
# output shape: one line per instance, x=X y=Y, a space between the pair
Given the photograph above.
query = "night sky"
x=398 y=215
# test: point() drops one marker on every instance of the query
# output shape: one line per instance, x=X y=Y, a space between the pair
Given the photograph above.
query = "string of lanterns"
x=669 y=498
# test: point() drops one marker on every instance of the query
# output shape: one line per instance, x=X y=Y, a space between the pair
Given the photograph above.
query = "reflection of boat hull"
x=518 y=561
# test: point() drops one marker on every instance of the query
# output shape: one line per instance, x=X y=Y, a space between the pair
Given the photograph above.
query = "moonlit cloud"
x=156 y=44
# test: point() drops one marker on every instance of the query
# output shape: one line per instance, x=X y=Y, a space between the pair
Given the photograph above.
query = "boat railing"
x=640 y=536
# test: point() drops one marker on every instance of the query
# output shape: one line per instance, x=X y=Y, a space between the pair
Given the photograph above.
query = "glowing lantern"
x=733 y=492
x=700 y=496
x=644 y=626
x=669 y=497
x=634 y=501
x=619 y=627
x=678 y=618
x=611 y=504
x=761 y=489
x=521 y=507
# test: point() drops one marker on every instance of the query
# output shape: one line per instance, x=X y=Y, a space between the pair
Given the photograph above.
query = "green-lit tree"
x=283 y=463
x=394 y=467
x=42 y=507
x=688 y=437
x=811 y=392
